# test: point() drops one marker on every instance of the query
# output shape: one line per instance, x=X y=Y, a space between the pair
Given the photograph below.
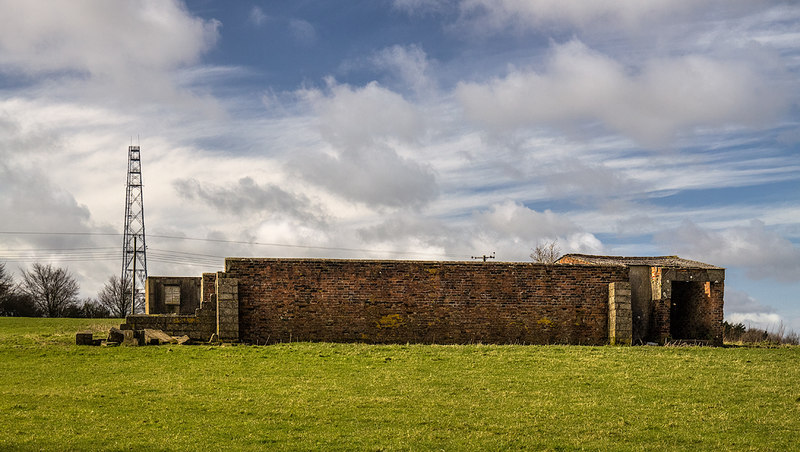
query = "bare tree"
x=52 y=289
x=6 y=283
x=116 y=296
x=546 y=253
x=93 y=309
x=12 y=302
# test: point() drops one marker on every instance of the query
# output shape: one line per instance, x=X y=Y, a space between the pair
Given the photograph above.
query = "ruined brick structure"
x=671 y=298
x=217 y=313
x=263 y=301
x=172 y=295
x=428 y=302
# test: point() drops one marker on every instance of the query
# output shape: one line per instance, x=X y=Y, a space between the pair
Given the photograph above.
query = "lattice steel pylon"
x=134 y=247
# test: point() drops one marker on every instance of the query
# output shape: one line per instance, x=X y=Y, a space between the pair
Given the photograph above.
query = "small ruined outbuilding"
x=671 y=298
x=582 y=299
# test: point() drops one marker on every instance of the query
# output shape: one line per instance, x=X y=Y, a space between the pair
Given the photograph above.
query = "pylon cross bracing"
x=134 y=247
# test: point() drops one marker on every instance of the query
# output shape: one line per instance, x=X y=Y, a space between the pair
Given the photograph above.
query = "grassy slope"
x=54 y=395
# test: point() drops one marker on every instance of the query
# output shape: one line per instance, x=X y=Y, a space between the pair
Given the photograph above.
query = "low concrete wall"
x=198 y=327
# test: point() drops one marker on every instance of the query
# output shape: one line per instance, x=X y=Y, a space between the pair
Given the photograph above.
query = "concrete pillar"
x=620 y=322
x=227 y=308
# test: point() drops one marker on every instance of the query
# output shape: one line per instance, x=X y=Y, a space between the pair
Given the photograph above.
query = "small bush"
x=740 y=334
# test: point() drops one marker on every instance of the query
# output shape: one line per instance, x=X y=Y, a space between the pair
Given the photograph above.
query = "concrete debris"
x=130 y=338
x=156 y=337
x=84 y=338
x=117 y=336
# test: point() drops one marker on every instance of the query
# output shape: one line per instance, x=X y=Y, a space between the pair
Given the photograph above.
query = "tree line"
x=44 y=290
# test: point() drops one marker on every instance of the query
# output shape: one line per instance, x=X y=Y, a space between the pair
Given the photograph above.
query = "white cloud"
x=377 y=176
x=512 y=221
x=257 y=16
x=760 y=320
x=56 y=208
x=99 y=37
x=247 y=197
x=409 y=63
x=509 y=229
x=303 y=31
x=360 y=117
x=634 y=15
x=762 y=252
x=651 y=103
x=96 y=48
x=740 y=303
x=363 y=127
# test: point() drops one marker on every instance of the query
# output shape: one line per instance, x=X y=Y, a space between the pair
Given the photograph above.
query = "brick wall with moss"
x=283 y=300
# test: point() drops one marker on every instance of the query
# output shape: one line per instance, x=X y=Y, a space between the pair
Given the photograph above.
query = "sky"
x=407 y=129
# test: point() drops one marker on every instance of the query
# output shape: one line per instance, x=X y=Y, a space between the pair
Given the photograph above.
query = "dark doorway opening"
x=685 y=310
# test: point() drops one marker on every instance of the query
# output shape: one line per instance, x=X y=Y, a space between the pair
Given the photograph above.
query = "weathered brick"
x=411 y=301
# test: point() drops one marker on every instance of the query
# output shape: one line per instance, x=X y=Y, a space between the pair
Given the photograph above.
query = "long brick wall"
x=283 y=300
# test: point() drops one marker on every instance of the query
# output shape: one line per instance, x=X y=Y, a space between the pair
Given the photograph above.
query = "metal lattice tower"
x=134 y=248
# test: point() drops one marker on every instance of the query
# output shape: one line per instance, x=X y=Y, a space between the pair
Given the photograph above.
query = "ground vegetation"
x=323 y=396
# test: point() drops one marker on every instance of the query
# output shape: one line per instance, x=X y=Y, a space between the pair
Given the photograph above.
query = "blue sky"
x=436 y=129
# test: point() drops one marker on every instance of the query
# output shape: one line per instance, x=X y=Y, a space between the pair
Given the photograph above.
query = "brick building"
x=580 y=300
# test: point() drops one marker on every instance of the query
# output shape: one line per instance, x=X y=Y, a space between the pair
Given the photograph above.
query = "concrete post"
x=620 y=320
x=227 y=308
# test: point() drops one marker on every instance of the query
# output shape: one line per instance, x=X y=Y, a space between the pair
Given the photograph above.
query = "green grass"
x=57 y=396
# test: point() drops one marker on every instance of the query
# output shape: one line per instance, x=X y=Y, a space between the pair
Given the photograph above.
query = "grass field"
x=55 y=396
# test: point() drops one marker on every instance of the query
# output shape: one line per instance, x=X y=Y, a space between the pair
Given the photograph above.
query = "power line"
x=242 y=242
x=61 y=249
x=115 y=234
x=84 y=254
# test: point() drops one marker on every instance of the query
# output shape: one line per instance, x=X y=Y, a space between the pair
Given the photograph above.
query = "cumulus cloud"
x=29 y=199
x=15 y=141
x=360 y=117
x=363 y=127
x=742 y=308
x=737 y=302
x=761 y=252
x=508 y=228
x=56 y=208
x=129 y=46
x=651 y=104
x=377 y=176
x=514 y=221
x=494 y=15
x=576 y=179
x=101 y=37
x=410 y=231
x=248 y=197
x=409 y=63
x=761 y=320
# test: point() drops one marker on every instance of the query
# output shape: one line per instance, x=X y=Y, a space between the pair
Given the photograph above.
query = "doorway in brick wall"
x=684 y=314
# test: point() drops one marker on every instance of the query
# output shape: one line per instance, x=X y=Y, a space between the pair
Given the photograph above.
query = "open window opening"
x=172 y=299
